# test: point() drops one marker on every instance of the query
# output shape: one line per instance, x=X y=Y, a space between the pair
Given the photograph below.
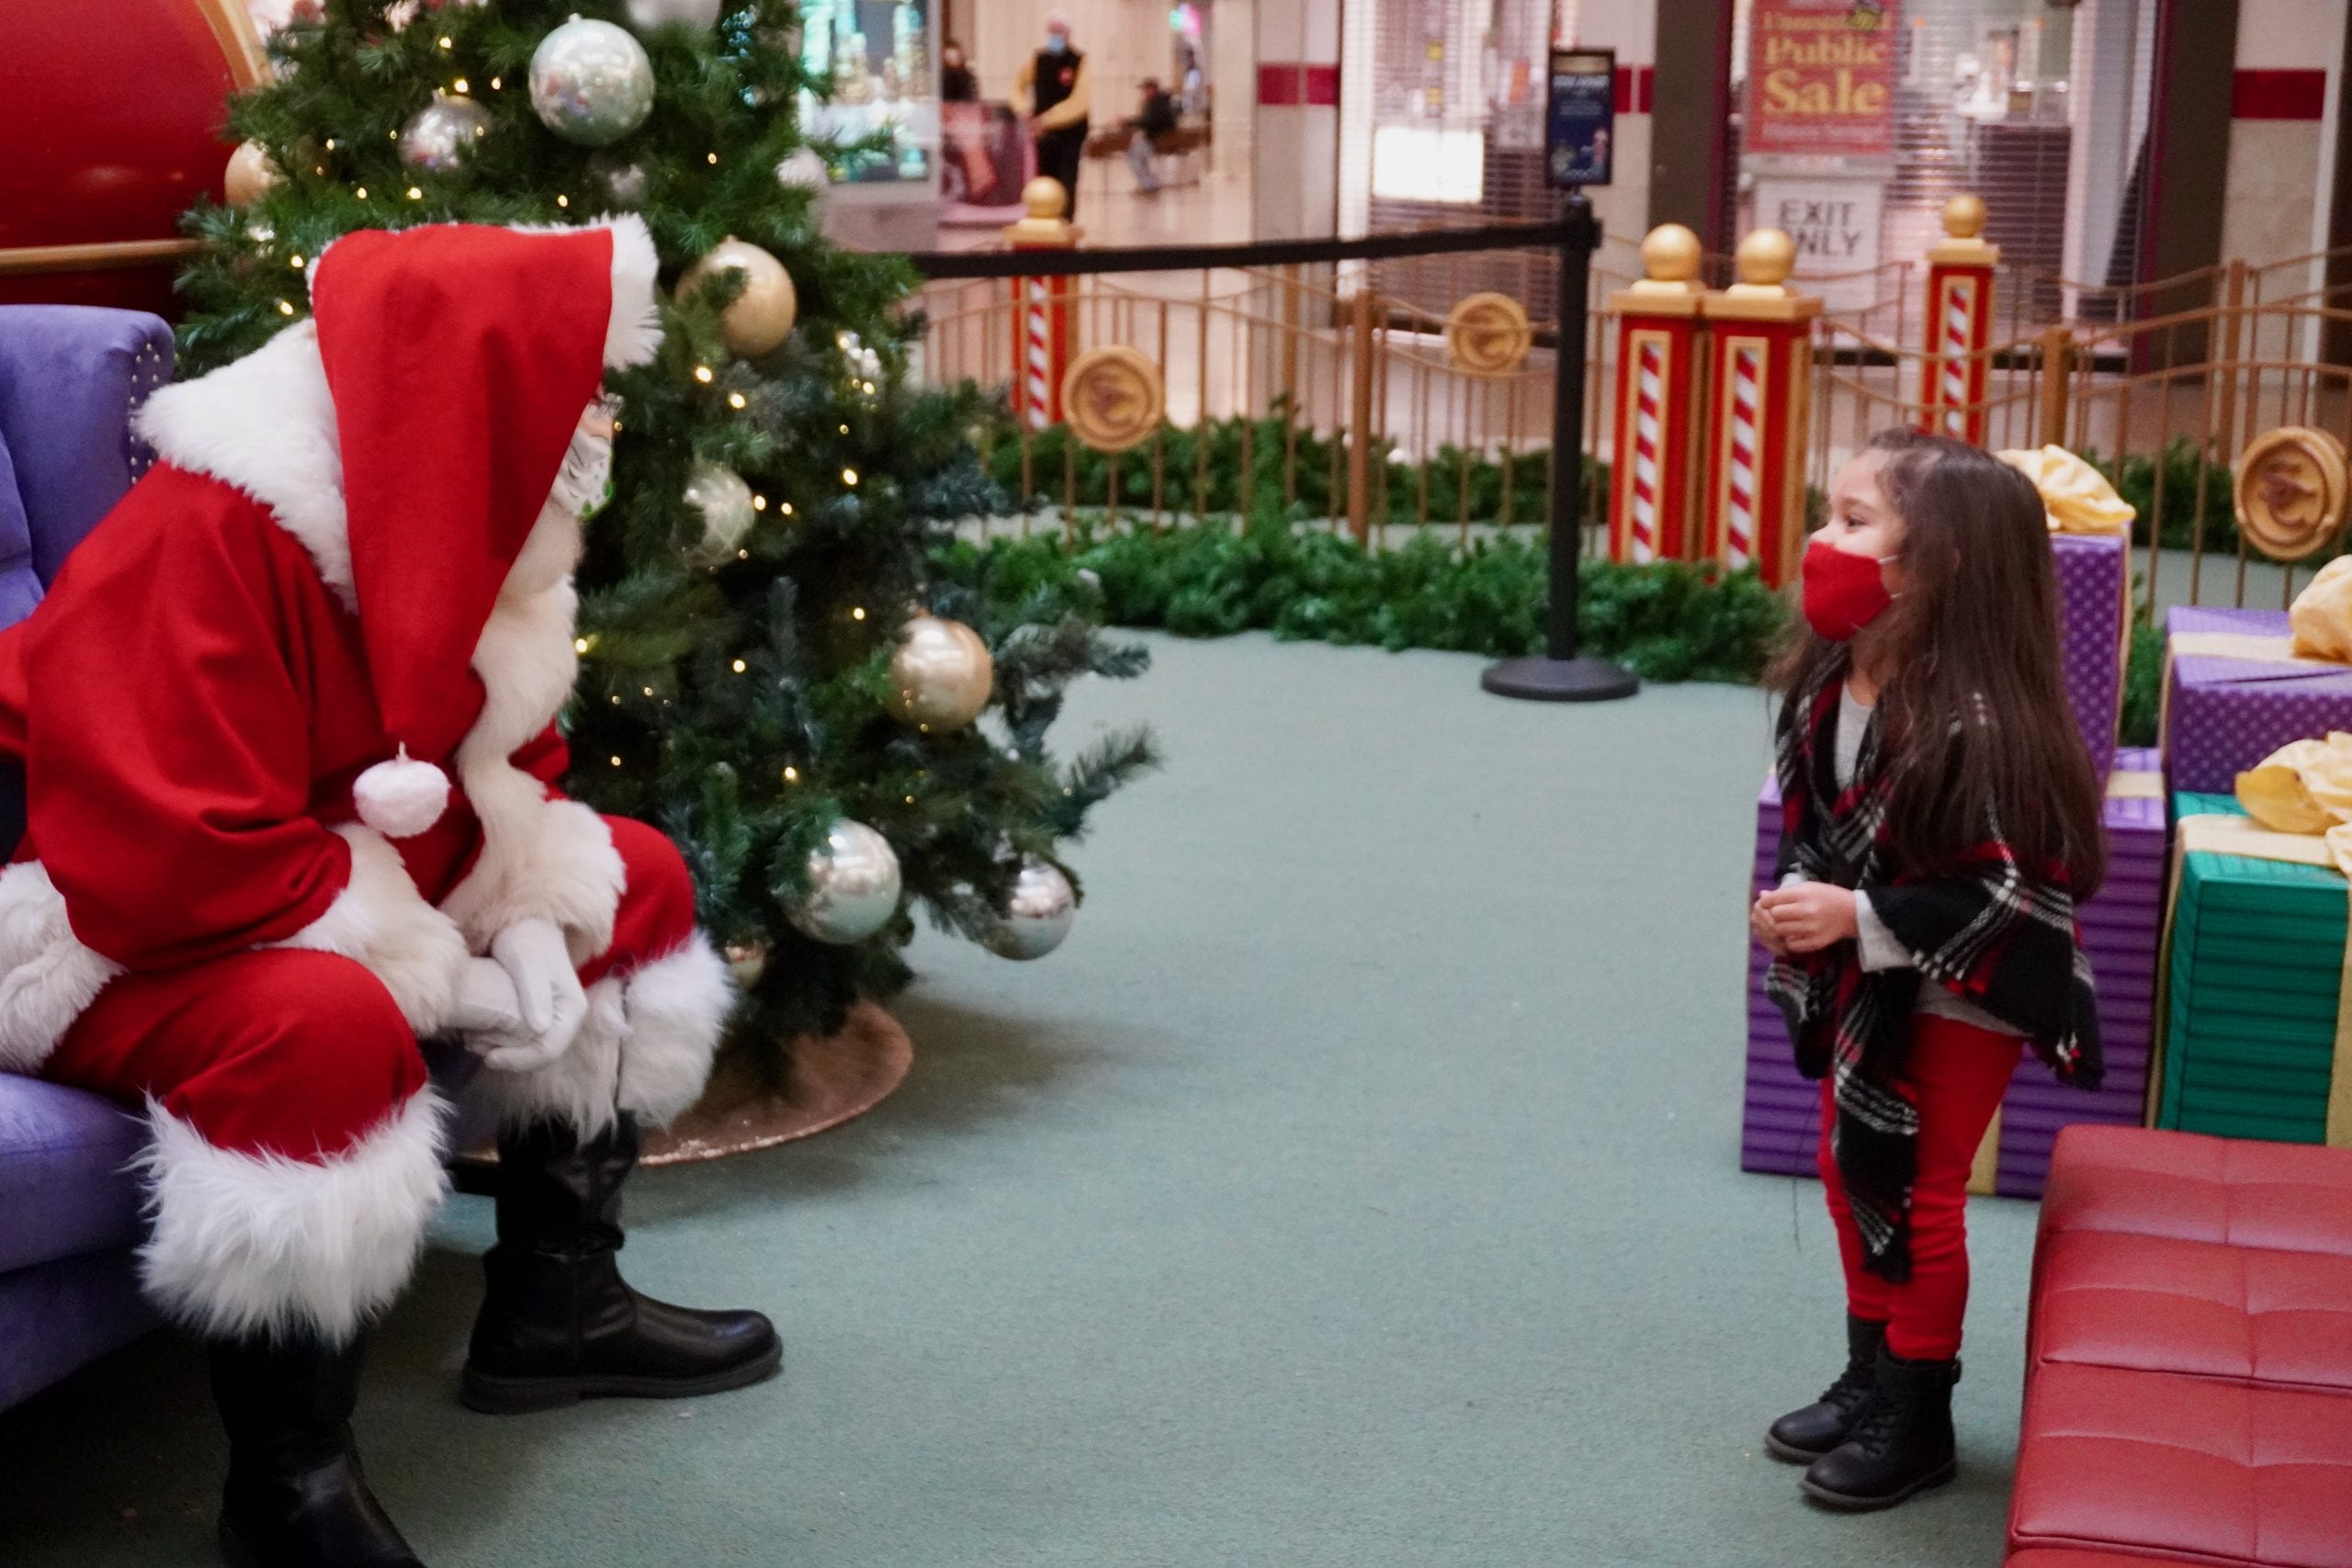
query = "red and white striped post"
x=1659 y=349
x=1044 y=323
x=1762 y=410
x=1960 y=325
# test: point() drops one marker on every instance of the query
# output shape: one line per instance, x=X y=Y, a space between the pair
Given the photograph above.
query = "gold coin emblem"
x=2292 y=486
x=1488 y=333
x=1112 y=398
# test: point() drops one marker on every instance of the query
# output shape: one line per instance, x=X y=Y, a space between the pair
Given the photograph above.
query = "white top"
x=1880 y=947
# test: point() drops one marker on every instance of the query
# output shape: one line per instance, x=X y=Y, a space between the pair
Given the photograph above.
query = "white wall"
x=1629 y=27
x=1295 y=181
x=2282 y=172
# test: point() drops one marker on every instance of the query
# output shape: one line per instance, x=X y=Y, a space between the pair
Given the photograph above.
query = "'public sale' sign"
x=1821 y=77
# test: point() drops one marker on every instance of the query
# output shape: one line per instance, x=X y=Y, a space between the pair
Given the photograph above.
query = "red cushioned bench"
x=2188 y=1361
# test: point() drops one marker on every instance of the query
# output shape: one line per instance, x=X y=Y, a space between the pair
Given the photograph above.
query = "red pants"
x=1956 y=1075
x=299 y=1054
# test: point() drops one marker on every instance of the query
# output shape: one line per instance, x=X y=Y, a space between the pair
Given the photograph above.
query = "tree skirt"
x=831 y=1080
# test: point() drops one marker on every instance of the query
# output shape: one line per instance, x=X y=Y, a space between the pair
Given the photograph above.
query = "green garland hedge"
x=1668 y=622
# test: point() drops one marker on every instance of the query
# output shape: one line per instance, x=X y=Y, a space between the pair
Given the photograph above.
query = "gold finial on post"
x=1670 y=258
x=1964 y=218
x=1043 y=228
x=1764 y=260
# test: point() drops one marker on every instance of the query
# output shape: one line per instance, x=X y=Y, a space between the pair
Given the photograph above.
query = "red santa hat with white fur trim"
x=459 y=359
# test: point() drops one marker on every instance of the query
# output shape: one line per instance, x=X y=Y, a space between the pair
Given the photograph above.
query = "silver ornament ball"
x=942 y=673
x=853 y=886
x=1037 y=916
x=662 y=13
x=440 y=137
x=591 y=81
x=804 y=169
x=719 y=493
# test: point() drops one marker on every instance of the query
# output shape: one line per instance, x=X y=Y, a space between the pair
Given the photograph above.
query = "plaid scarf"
x=1987 y=931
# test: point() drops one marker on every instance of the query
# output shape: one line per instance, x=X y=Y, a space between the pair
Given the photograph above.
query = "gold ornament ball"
x=1044 y=199
x=1670 y=253
x=941 y=672
x=761 y=316
x=249 y=174
x=1965 y=216
x=1764 y=257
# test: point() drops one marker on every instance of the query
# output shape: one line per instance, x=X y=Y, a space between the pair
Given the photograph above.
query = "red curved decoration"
x=113 y=121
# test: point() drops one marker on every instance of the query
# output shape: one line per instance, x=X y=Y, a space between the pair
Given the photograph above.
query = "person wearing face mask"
x=1055 y=96
x=1941 y=822
x=286 y=731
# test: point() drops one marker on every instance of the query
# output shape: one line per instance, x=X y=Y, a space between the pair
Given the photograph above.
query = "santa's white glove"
x=546 y=992
x=486 y=1005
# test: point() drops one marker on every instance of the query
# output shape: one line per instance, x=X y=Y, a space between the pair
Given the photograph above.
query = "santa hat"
x=459 y=359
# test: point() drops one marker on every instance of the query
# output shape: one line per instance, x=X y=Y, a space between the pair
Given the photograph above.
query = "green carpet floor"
x=1357 y=1186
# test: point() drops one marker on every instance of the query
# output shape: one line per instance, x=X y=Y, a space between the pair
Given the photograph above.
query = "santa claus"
x=286 y=727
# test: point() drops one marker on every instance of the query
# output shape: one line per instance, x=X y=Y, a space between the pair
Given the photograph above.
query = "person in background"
x=1192 y=91
x=1157 y=119
x=1054 y=93
x=956 y=84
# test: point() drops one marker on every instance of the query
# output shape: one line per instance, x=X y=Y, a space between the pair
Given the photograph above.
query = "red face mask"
x=1843 y=591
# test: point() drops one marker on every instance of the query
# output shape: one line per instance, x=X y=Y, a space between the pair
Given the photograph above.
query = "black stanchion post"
x=1558 y=675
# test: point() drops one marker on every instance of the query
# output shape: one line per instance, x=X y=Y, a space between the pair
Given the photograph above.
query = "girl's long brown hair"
x=1977 y=620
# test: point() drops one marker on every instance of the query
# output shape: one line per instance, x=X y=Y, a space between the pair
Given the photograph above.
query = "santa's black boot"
x=559 y=1324
x=296 y=1497
x=1803 y=1436
x=1903 y=1445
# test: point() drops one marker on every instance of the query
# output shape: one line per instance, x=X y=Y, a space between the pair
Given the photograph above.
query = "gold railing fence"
x=2166 y=380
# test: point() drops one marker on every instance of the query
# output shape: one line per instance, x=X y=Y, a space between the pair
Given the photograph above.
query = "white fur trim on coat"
x=47 y=976
x=540 y=858
x=646 y=1047
x=264 y=425
x=381 y=921
x=247 y=1243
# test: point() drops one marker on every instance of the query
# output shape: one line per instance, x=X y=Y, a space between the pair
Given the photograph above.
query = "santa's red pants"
x=298 y=1145
x=1956 y=1075
x=294 y=1053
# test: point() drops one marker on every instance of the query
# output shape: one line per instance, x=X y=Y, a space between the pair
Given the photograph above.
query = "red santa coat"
x=308 y=582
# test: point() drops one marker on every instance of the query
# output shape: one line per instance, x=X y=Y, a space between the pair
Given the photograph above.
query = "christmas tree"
x=769 y=668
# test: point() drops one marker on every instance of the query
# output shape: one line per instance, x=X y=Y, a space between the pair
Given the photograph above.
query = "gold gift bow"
x=2214 y=833
x=1985 y=1170
x=2076 y=497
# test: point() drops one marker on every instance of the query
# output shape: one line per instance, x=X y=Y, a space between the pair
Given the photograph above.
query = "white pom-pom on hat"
x=402 y=798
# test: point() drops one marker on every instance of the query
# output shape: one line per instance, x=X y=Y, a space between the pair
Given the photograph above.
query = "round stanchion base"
x=1542 y=679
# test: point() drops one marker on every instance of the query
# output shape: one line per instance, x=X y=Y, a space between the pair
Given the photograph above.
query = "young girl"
x=1940 y=818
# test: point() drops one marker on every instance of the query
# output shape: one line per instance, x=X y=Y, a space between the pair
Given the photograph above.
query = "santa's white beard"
x=549 y=554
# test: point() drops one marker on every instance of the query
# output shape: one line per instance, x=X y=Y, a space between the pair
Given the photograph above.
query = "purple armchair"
x=70 y=376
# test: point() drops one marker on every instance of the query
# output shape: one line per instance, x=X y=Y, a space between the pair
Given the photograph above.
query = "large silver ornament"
x=591 y=81
x=1037 y=915
x=853 y=886
x=719 y=493
x=942 y=673
x=660 y=13
x=438 y=137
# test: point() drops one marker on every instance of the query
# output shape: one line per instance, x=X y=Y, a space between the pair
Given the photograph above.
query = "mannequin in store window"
x=1055 y=94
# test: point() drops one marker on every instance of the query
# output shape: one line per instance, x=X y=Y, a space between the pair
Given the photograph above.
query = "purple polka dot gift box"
x=2233 y=693
x=2093 y=577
